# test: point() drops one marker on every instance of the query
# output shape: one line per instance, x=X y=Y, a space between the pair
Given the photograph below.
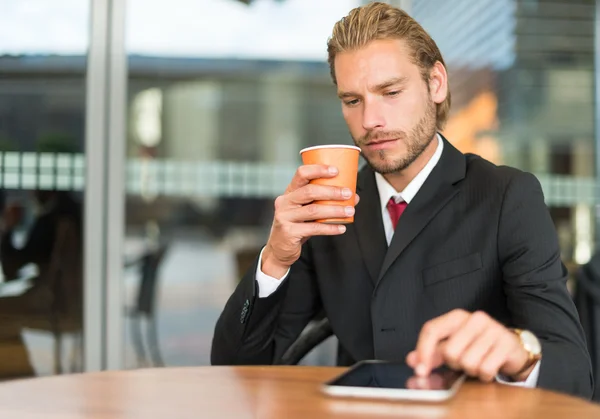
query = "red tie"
x=395 y=210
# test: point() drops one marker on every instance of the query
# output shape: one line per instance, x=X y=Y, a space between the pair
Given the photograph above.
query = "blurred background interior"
x=176 y=123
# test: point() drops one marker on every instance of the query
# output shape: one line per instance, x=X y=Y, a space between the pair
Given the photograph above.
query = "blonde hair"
x=378 y=21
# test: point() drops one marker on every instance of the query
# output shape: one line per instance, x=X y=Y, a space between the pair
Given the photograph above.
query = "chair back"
x=64 y=277
x=311 y=337
x=149 y=268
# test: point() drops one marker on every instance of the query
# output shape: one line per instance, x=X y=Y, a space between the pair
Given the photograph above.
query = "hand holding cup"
x=318 y=202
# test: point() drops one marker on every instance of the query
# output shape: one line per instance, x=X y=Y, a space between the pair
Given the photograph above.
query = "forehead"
x=377 y=62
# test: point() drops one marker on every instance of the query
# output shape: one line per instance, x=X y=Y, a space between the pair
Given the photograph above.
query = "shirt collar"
x=387 y=191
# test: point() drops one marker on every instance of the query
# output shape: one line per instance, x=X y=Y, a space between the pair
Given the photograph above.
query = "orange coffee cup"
x=345 y=158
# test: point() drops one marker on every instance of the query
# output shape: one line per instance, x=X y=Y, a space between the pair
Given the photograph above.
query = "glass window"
x=43 y=48
x=224 y=93
x=222 y=96
x=521 y=75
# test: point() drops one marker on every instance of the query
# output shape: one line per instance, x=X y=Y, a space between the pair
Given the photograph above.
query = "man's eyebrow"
x=342 y=94
x=381 y=86
x=390 y=82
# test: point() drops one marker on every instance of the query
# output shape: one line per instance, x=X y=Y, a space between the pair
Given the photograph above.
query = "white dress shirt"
x=267 y=285
x=387 y=191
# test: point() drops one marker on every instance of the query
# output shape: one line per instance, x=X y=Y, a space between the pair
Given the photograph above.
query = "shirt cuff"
x=267 y=285
x=530 y=382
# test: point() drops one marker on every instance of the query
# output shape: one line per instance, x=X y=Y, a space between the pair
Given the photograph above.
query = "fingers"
x=516 y=359
x=412 y=359
x=458 y=343
x=304 y=174
x=296 y=222
x=472 y=358
x=318 y=229
x=313 y=212
x=474 y=343
x=432 y=333
x=312 y=192
x=491 y=364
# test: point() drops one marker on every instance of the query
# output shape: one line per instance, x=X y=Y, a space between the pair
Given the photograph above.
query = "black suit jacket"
x=476 y=236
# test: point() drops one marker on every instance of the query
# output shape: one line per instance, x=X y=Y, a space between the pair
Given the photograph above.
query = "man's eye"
x=394 y=93
x=351 y=102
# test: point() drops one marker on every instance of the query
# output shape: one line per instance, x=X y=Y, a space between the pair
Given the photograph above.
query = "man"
x=33 y=307
x=471 y=274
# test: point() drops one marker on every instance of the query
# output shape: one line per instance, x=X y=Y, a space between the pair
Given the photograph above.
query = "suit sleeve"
x=257 y=331
x=535 y=286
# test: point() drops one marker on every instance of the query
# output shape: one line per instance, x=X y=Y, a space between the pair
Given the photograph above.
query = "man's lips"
x=386 y=140
x=381 y=144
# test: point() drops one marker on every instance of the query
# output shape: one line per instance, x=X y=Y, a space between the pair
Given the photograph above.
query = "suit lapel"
x=368 y=223
x=436 y=192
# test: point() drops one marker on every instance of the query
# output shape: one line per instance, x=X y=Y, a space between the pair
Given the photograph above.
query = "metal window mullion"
x=116 y=187
x=95 y=187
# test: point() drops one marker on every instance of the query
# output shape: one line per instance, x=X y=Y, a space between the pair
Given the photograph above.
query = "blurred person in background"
x=33 y=306
x=57 y=268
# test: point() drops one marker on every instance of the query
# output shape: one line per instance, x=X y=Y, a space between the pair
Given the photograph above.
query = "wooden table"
x=257 y=392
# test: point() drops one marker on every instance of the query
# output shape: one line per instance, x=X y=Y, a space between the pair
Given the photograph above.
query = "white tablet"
x=395 y=381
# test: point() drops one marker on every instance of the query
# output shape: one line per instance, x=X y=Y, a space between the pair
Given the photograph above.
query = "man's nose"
x=373 y=116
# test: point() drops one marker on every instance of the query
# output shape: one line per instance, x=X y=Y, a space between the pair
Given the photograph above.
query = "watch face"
x=531 y=342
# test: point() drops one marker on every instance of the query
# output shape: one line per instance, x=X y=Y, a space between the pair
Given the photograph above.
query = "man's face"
x=386 y=103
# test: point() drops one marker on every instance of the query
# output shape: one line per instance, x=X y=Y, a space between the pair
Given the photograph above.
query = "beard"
x=416 y=142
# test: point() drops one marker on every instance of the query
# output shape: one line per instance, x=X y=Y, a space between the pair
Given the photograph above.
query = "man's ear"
x=438 y=82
